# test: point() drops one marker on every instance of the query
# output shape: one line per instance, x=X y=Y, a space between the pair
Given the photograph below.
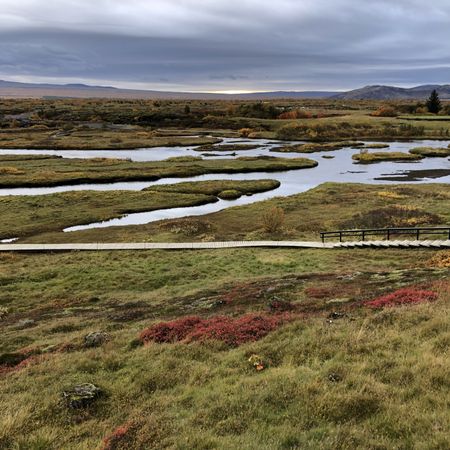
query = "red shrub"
x=29 y=361
x=116 y=439
x=233 y=331
x=250 y=327
x=403 y=296
x=295 y=114
x=385 y=111
x=166 y=332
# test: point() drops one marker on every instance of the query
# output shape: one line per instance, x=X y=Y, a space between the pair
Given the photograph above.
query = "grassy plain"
x=317 y=147
x=336 y=375
x=55 y=171
x=113 y=124
x=327 y=207
x=368 y=379
x=30 y=215
x=96 y=139
x=374 y=157
x=431 y=152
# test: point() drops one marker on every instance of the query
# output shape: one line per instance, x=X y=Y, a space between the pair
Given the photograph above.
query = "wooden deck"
x=221 y=245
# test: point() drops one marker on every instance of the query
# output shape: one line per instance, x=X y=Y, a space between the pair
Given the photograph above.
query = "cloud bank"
x=226 y=45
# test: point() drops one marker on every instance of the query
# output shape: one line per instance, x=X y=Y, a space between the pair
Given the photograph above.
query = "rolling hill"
x=10 y=89
x=377 y=92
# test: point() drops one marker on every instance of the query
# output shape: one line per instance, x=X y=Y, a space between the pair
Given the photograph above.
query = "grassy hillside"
x=333 y=372
x=330 y=206
x=264 y=349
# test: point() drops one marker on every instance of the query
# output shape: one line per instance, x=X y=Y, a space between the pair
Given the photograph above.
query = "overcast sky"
x=226 y=45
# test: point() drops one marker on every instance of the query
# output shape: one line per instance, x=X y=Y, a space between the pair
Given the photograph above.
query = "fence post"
x=363 y=235
x=388 y=234
x=340 y=236
x=418 y=233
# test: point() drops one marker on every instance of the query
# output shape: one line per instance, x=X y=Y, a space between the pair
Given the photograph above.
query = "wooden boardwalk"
x=220 y=245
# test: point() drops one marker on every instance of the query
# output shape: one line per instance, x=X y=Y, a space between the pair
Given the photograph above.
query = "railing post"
x=388 y=232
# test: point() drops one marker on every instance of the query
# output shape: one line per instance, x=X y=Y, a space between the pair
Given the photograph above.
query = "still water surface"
x=340 y=168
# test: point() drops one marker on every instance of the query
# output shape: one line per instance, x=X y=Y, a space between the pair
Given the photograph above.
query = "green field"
x=119 y=124
x=327 y=207
x=264 y=349
x=18 y=171
x=31 y=215
x=357 y=381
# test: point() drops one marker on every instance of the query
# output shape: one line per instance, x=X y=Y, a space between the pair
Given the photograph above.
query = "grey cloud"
x=214 y=45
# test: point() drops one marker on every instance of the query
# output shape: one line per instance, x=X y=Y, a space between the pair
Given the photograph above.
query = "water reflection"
x=334 y=166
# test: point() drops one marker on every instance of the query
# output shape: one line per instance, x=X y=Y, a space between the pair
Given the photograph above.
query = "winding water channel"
x=334 y=166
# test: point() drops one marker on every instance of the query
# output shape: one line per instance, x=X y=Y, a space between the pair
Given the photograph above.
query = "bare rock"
x=81 y=395
x=96 y=339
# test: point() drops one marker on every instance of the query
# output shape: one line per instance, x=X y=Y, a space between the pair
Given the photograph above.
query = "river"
x=336 y=166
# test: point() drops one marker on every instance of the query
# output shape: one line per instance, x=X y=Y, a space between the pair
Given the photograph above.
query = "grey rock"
x=81 y=395
x=25 y=323
x=334 y=377
x=96 y=339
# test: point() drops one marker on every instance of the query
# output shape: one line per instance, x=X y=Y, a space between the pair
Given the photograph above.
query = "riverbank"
x=327 y=207
x=32 y=171
x=31 y=215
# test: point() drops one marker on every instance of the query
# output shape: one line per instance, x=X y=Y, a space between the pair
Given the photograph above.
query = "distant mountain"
x=377 y=92
x=17 y=85
x=11 y=89
x=288 y=94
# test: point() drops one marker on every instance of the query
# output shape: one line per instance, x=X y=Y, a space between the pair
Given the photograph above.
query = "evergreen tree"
x=433 y=103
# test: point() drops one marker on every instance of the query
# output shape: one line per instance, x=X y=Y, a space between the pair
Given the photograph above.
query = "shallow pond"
x=336 y=166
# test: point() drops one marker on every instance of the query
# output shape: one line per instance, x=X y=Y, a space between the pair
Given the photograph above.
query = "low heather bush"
x=118 y=439
x=232 y=331
x=405 y=296
x=168 y=332
x=392 y=216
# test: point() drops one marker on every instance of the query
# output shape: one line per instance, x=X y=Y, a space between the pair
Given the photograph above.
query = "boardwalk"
x=220 y=245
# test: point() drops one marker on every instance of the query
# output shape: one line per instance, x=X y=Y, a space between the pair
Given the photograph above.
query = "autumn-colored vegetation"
x=405 y=296
x=273 y=220
x=440 y=259
x=318 y=356
x=374 y=157
x=385 y=111
x=392 y=216
x=117 y=440
x=91 y=123
x=232 y=331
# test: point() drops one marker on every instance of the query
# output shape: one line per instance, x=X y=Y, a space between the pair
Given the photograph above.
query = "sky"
x=226 y=45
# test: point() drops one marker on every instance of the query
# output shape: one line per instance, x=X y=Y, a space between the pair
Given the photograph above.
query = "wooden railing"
x=387 y=233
